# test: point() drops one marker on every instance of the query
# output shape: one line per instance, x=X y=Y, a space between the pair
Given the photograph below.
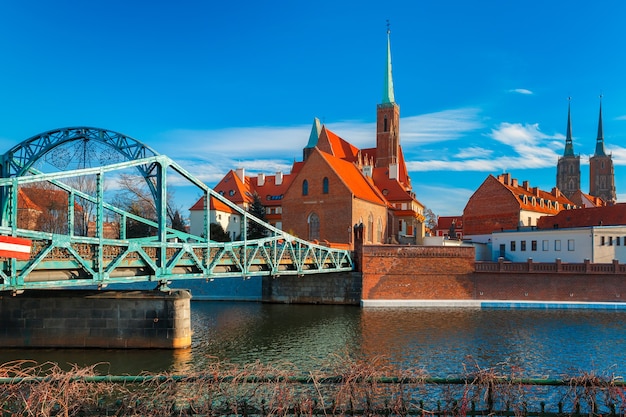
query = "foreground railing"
x=357 y=391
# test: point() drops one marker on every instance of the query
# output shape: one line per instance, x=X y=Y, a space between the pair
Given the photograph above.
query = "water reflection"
x=443 y=342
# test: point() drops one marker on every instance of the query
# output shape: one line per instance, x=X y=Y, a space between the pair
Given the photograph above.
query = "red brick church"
x=336 y=186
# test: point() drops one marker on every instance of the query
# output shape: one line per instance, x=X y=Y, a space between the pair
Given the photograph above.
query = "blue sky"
x=483 y=86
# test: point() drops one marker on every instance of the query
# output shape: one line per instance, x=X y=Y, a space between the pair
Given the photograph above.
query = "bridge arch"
x=20 y=159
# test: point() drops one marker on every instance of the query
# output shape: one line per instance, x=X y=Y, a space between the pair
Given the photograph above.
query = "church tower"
x=568 y=167
x=387 y=120
x=601 y=174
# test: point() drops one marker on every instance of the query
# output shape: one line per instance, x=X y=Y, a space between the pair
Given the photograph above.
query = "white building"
x=599 y=244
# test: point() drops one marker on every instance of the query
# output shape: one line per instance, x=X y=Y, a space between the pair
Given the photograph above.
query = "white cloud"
x=521 y=91
x=473 y=152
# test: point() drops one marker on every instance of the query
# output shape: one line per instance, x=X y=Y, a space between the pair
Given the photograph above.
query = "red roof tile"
x=352 y=178
x=593 y=216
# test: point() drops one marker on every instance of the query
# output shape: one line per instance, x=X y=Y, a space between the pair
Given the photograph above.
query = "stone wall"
x=328 y=288
x=96 y=319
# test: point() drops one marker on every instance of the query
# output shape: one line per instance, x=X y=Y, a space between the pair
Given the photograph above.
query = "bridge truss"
x=66 y=258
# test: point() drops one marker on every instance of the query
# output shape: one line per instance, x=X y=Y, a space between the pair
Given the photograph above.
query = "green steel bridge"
x=87 y=239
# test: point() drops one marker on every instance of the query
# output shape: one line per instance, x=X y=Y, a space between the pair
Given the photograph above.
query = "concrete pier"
x=96 y=319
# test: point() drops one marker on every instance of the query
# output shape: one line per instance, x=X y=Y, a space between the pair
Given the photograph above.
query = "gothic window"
x=385 y=125
x=305 y=187
x=571 y=169
x=370 y=228
x=379 y=230
x=325 y=185
x=314 y=226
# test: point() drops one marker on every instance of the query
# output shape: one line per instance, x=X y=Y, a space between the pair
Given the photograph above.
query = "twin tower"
x=601 y=174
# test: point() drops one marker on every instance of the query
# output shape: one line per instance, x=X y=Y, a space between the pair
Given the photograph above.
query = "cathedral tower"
x=387 y=120
x=601 y=174
x=568 y=168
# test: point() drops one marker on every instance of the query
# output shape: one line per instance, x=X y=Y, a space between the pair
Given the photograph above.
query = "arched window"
x=385 y=125
x=305 y=187
x=379 y=230
x=370 y=228
x=325 y=185
x=314 y=226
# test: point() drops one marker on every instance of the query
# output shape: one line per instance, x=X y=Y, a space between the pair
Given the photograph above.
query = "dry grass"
x=340 y=387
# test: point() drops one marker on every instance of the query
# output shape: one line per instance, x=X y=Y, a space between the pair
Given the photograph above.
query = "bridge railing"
x=62 y=260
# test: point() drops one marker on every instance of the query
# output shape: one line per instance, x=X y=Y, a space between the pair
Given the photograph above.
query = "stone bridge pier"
x=96 y=319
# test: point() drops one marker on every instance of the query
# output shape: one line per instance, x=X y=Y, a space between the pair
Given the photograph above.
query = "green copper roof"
x=569 y=145
x=315 y=133
x=600 y=138
x=388 y=88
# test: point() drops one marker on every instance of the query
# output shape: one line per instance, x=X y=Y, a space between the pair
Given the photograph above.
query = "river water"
x=442 y=342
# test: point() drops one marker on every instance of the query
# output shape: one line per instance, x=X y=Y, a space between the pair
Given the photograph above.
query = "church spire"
x=600 y=138
x=569 y=145
x=388 y=88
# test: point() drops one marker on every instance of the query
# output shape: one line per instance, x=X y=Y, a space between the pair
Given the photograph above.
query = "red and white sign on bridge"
x=15 y=247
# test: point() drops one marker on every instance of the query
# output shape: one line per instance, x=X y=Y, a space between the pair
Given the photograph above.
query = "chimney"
x=241 y=173
x=526 y=185
x=536 y=191
x=279 y=178
x=505 y=178
x=556 y=192
x=514 y=182
x=393 y=171
x=260 y=180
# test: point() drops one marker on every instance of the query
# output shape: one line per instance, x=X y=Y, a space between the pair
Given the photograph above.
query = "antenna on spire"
x=388 y=27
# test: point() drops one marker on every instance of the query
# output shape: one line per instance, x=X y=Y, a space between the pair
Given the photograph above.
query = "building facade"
x=598 y=244
x=502 y=203
x=337 y=186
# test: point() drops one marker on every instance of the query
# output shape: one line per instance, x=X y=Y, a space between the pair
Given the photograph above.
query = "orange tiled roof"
x=270 y=192
x=234 y=189
x=42 y=199
x=353 y=179
x=534 y=199
x=332 y=144
x=214 y=203
x=586 y=200
x=592 y=216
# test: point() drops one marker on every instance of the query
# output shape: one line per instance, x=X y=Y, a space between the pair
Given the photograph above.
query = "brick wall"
x=492 y=207
x=447 y=273
x=550 y=287
x=417 y=272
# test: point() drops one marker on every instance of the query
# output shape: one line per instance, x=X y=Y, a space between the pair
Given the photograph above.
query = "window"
x=570 y=244
x=325 y=185
x=601 y=240
x=523 y=245
x=314 y=226
x=557 y=245
x=530 y=221
x=610 y=240
x=370 y=228
x=385 y=125
x=617 y=240
x=305 y=187
x=379 y=230
x=545 y=245
x=512 y=246
x=533 y=245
